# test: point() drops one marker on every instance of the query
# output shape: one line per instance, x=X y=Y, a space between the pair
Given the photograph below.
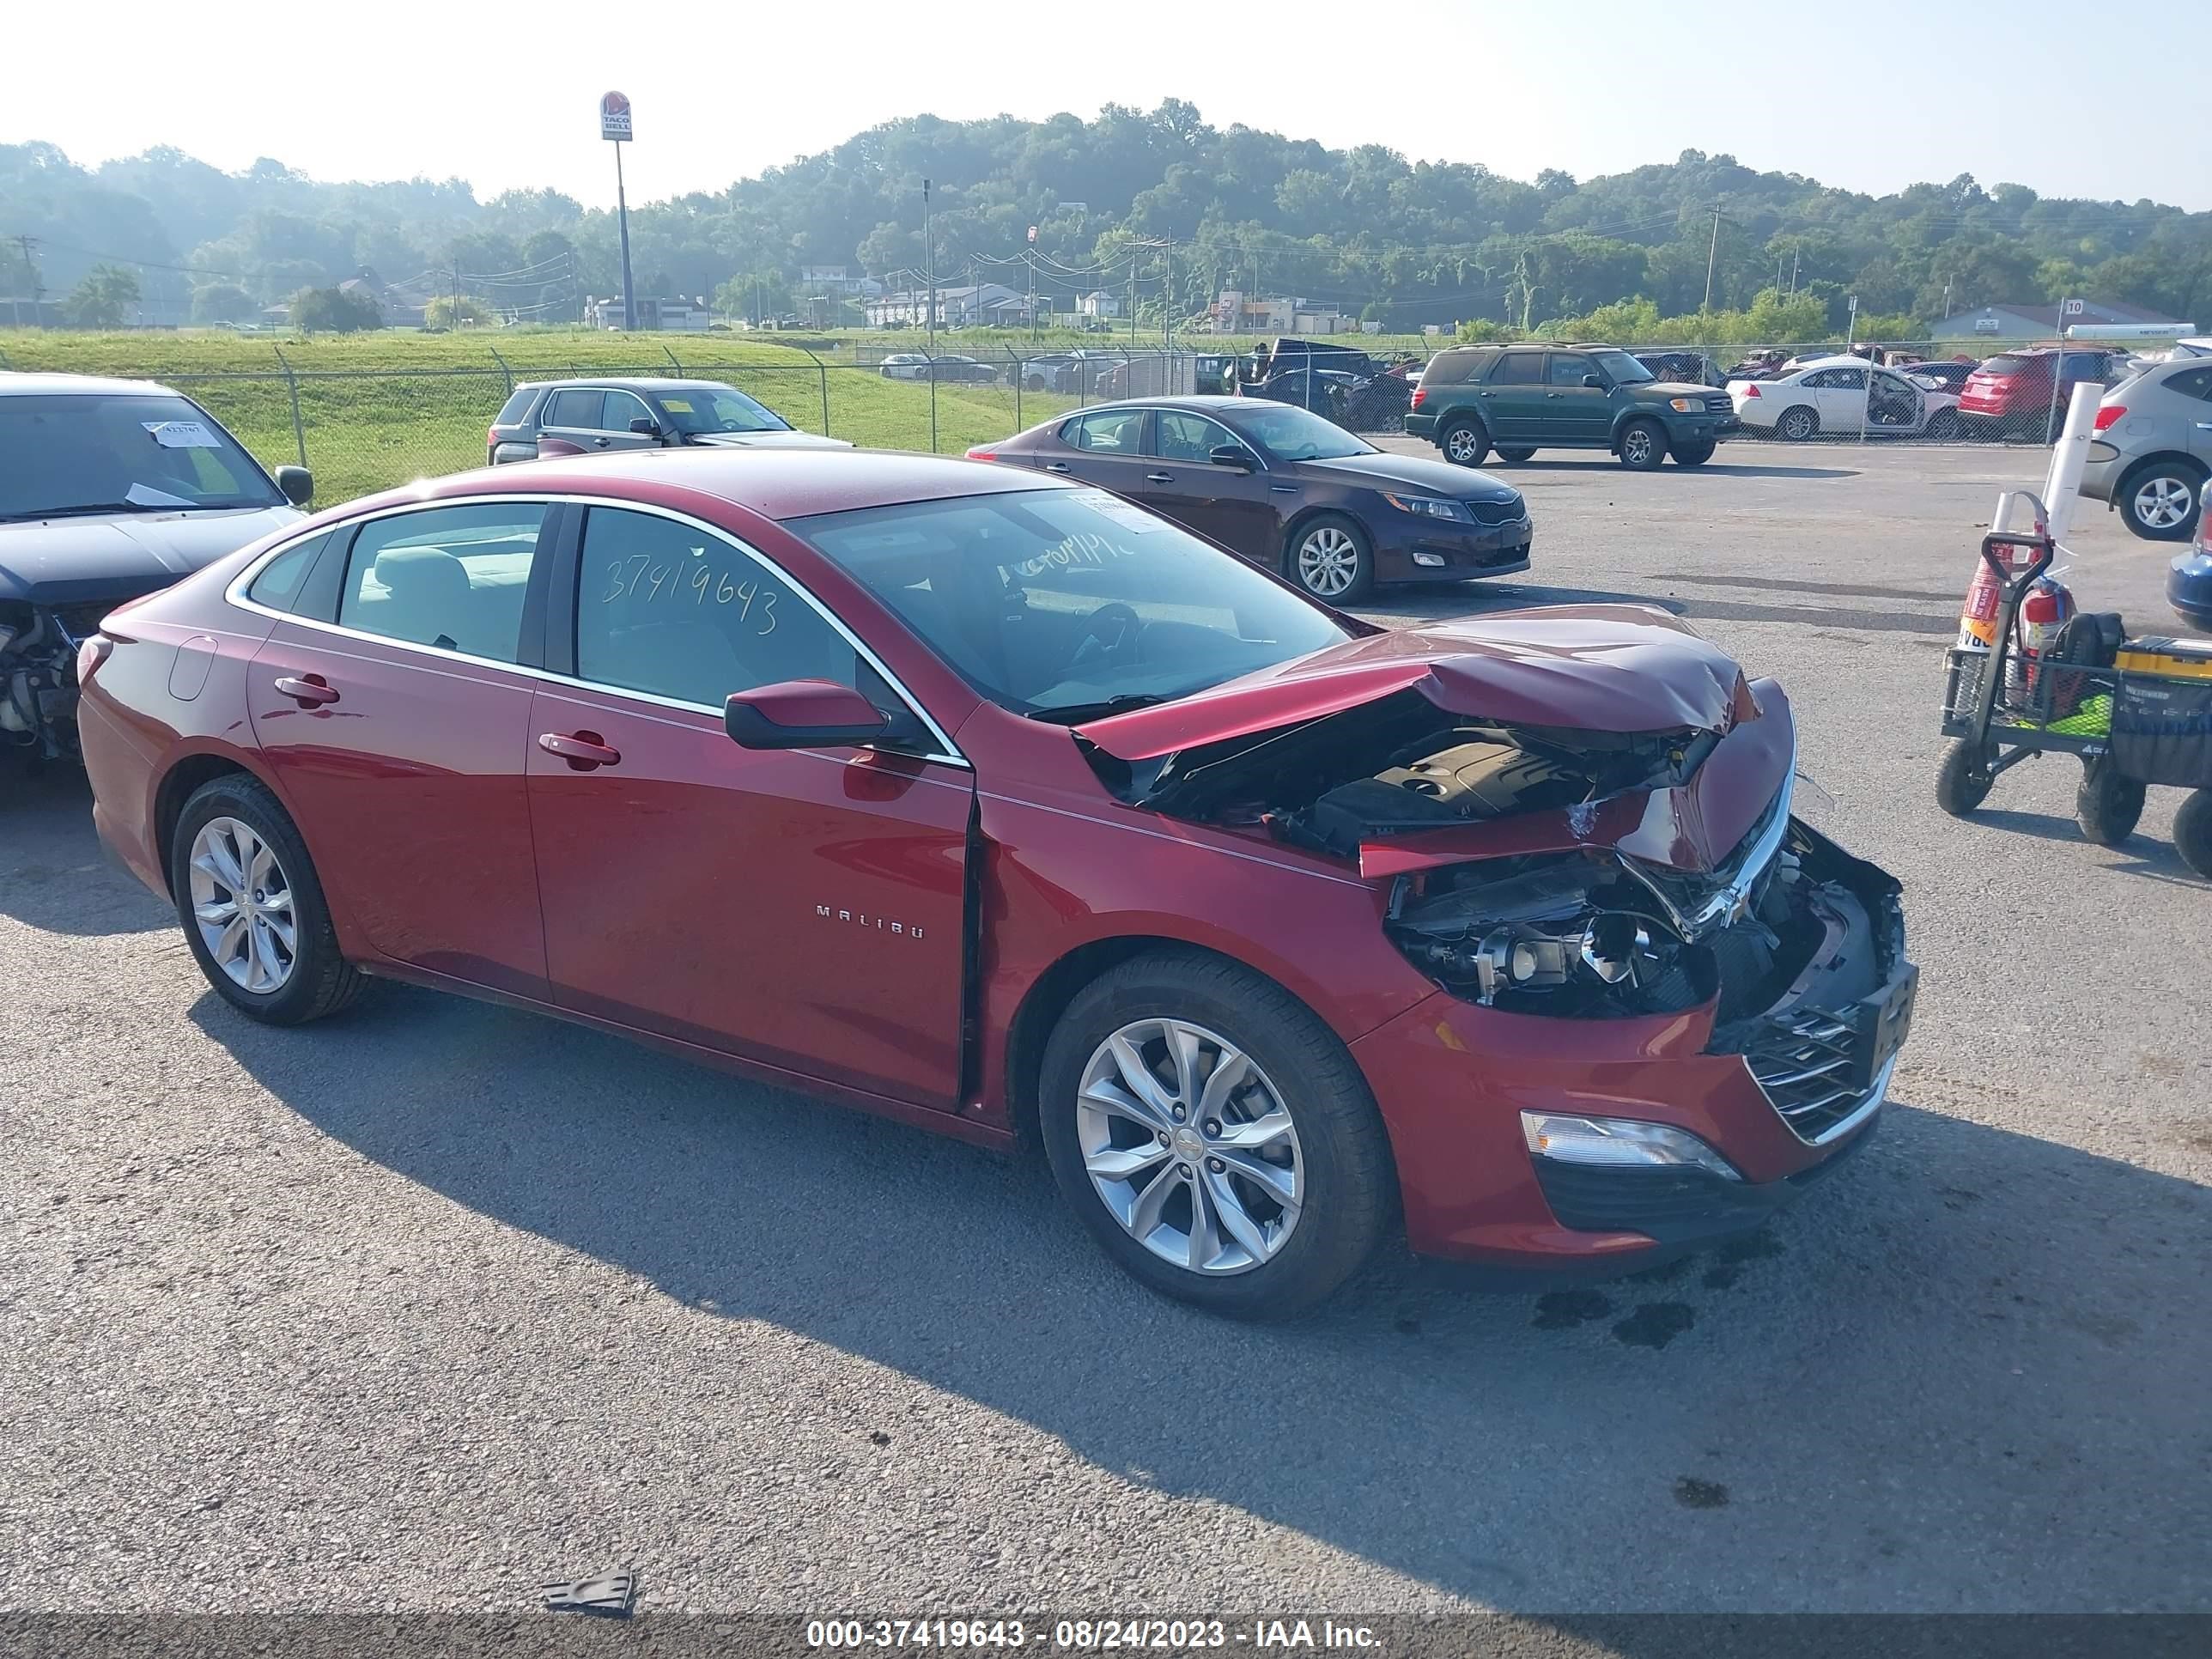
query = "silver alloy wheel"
x=242 y=902
x=1190 y=1146
x=1329 y=561
x=1798 y=423
x=1636 y=446
x=2162 y=501
x=1461 y=446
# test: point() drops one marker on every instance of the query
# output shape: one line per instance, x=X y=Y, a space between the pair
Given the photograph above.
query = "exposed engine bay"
x=37 y=676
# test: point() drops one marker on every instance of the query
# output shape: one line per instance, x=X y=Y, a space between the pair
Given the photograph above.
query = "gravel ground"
x=423 y=1306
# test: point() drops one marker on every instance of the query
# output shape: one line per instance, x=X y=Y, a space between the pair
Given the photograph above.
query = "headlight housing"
x=1684 y=405
x=1619 y=1143
x=1429 y=507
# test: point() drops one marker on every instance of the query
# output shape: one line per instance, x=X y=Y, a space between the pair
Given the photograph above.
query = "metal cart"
x=2001 y=707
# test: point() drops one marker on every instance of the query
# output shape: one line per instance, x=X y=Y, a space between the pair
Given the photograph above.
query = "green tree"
x=334 y=311
x=221 y=302
x=457 y=311
x=102 y=298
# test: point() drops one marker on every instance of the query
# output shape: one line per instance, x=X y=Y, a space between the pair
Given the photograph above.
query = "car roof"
x=24 y=384
x=775 y=483
x=626 y=383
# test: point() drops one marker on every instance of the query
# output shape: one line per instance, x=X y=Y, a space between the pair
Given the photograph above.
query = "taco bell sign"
x=614 y=117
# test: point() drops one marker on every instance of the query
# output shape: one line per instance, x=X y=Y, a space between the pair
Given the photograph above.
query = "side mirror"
x=297 y=483
x=1234 y=455
x=1595 y=382
x=646 y=427
x=807 y=715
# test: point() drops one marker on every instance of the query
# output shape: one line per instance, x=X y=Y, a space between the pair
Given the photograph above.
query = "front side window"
x=693 y=410
x=622 y=408
x=1062 y=604
x=74 y=454
x=1112 y=432
x=1179 y=435
x=674 y=610
x=453 y=577
x=1568 y=370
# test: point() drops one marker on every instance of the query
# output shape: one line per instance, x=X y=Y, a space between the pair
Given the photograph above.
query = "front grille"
x=1807 y=1062
x=1498 y=511
x=1719 y=406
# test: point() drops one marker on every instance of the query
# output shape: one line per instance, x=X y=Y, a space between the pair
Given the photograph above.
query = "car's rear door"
x=1105 y=448
x=800 y=908
x=396 y=723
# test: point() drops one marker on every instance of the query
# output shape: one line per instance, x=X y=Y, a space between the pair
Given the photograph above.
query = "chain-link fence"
x=372 y=423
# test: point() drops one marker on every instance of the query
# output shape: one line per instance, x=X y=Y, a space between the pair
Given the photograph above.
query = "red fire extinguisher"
x=2043 y=610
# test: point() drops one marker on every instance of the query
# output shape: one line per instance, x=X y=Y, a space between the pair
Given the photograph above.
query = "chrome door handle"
x=1055 y=466
x=602 y=442
x=309 y=692
x=1160 y=477
x=2204 y=426
x=582 y=749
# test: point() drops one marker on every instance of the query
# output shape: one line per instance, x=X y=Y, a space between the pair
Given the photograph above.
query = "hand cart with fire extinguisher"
x=2136 y=712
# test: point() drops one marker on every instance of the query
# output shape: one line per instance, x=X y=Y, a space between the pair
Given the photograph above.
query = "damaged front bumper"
x=1779 y=1095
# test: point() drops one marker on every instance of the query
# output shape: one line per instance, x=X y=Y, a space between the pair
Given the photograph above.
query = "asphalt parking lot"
x=422 y=1307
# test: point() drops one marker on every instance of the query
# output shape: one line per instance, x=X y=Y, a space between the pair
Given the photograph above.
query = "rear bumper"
x=1418 y=425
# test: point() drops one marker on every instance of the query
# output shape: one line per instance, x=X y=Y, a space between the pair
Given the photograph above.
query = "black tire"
x=1516 y=453
x=1643 y=446
x=2163 y=475
x=1035 y=383
x=321 y=982
x=1350 y=1196
x=1946 y=427
x=1798 y=423
x=1962 y=777
x=2192 y=832
x=1696 y=454
x=2107 y=805
x=1295 y=560
x=1465 y=442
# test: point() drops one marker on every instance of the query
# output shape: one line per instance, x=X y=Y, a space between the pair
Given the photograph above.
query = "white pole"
x=2061 y=487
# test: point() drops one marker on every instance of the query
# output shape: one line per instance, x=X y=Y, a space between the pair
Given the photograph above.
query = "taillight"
x=2204 y=520
x=981 y=453
x=2110 y=414
x=1420 y=396
x=90 y=654
x=1752 y=391
x=491 y=437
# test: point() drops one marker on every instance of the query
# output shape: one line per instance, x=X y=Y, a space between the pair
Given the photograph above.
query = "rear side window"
x=1519 y=369
x=281 y=581
x=1112 y=431
x=516 y=406
x=575 y=408
x=2192 y=383
x=2006 y=363
x=1456 y=367
x=453 y=577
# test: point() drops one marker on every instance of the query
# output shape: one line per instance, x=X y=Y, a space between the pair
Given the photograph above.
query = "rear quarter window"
x=1456 y=367
x=516 y=406
x=283 y=578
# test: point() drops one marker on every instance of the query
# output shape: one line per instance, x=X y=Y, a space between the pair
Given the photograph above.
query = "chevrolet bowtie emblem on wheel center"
x=862 y=918
x=1187 y=1145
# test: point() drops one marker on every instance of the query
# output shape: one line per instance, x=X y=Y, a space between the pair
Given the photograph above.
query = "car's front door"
x=397 y=725
x=1512 y=401
x=1840 y=395
x=1575 y=413
x=1237 y=507
x=1894 y=404
x=800 y=908
x=1104 y=448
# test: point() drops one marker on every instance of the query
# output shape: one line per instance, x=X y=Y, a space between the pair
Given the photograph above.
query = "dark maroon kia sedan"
x=997 y=805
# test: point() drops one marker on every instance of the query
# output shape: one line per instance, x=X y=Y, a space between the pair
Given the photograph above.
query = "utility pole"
x=1712 y=254
x=1793 y=274
x=31 y=278
x=1167 y=308
x=929 y=270
x=1132 y=299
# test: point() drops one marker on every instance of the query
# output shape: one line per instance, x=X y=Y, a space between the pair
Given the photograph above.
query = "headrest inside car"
x=422 y=575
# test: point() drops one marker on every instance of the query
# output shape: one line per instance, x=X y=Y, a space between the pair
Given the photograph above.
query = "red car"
x=998 y=806
x=2012 y=394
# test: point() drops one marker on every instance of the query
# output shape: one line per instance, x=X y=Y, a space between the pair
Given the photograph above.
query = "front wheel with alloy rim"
x=2158 y=500
x=1642 y=445
x=1465 y=443
x=1694 y=454
x=1214 y=1136
x=252 y=907
x=1330 y=558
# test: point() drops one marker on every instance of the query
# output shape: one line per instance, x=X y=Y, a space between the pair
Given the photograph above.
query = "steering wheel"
x=1124 y=636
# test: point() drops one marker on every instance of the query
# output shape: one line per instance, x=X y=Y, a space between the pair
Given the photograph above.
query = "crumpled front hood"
x=1616 y=668
x=120 y=556
x=767 y=441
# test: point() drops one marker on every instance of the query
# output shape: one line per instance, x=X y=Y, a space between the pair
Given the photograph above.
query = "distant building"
x=840 y=280
x=983 y=305
x=399 y=307
x=1236 y=312
x=2009 y=324
x=1099 y=303
x=691 y=316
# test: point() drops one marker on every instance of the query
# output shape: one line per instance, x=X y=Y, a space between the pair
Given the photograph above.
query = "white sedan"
x=1830 y=397
x=905 y=365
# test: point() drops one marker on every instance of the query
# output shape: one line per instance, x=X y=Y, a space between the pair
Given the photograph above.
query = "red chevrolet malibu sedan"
x=997 y=805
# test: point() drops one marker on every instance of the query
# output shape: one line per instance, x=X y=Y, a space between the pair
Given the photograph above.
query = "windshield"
x=1067 y=603
x=1622 y=369
x=1290 y=434
x=698 y=408
x=77 y=452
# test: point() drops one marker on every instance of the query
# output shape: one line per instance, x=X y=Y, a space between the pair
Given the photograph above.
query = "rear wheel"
x=1798 y=423
x=252 y=908
x=1643 y=446
x=2158 y=499
x=1516 y=452
x=2192 y=832
x=2107 y=805
x=1946 y=426
x=1331 y=559
x=1465 y=443
x=1962 y=777
x=1694 y=454
x=1214 y=1136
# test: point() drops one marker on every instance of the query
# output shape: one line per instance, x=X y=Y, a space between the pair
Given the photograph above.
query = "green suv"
x=1518 y=399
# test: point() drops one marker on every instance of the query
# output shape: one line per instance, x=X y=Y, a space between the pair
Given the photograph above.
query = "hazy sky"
x=723 y=87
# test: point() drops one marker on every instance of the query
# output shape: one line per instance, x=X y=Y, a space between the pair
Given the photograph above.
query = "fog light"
x=1434 y=561
x=1619 y=1143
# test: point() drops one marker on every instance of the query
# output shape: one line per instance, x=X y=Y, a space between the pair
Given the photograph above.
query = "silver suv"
x=582 y=417
x=2152 y=450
